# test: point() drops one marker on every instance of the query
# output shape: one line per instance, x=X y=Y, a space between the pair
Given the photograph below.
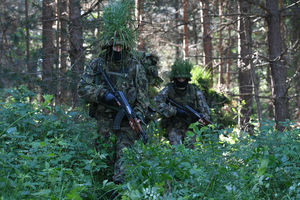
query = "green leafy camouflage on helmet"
x=181 y=69
x=118 y=24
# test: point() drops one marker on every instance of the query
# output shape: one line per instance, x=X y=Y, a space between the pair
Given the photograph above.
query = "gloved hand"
x=109 y=99
x=181 y=113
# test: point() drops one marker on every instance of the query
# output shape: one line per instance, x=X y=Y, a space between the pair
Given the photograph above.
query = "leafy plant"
x=222 y=165
x=48 y=155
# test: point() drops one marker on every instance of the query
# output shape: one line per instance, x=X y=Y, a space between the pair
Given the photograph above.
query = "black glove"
x=109 y=99
x=181 y=113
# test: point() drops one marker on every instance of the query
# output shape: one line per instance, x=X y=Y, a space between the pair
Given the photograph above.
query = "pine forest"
x=241 y=56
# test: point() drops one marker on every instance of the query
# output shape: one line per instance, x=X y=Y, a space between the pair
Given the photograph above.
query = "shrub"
x=48 y=153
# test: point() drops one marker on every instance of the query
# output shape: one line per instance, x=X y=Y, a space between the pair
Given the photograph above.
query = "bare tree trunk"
x=62 y=43
x=220 y=47
x=48 y=47
x=185 y=30
x=58 y=54
x=207 y=40
x=27 y=45
x=177 y=10
x=295 y=36
x=2 y=44
x=195 y=33
x=244 y=64
x=76 y=47
x=270 y=105
x=228 y=62
x=278 y=70
x=228 y=53
x=141 y=23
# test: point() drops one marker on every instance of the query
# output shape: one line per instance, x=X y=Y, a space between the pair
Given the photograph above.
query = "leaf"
x=74 y=194
x=43 y=192
x=263 y=167
x=11 y=130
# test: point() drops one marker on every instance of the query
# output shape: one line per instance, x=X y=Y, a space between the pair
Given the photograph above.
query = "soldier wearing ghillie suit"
x=174 y=119
x=126 y=75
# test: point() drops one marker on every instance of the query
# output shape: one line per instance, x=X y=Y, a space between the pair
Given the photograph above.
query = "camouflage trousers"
x=125 y=138
x=175 y=135
x=176 y=131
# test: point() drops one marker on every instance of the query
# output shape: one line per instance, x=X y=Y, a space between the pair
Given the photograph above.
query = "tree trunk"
x=244 y=65
x=278 y=70
x=141 y=23
x=63 y=49
x=178 y=38
x=195 y=33
x=27 y=45
x=270 y=104
x=3 y=80
x=295 y=36
x=207 y=40
x=228 y=62
x=185 y=30
x=228 y=53
x=220 y=47
x=48 y=47
x=76 y=47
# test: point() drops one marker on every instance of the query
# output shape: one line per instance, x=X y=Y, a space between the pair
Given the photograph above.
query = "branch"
x=91 y=9
x=288 y=7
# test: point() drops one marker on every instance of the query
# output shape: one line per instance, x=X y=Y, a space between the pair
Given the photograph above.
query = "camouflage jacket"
x=192 y=96
x=128 y=77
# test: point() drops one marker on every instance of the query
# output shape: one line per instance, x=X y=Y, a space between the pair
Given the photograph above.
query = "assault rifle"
x=125 y=108
x=193 y=113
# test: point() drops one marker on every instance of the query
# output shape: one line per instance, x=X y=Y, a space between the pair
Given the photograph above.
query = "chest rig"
x=122 y=76
x=187 y=97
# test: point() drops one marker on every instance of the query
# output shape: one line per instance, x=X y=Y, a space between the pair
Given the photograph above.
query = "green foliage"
x=219 y=103
x=263 y=167
x=48 y=155
x=181 y=69
x=47 y=152
x=118 y=23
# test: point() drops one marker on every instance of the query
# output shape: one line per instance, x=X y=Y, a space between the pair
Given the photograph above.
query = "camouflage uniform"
x=127 y=76
x=149 y=62
x=176 y=126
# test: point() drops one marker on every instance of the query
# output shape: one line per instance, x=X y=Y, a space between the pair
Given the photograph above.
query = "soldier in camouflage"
x=150 y=63
x=128 y=76
x=175 y=120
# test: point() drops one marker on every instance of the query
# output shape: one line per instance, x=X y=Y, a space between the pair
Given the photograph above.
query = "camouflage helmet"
x=118 y=24
x=181 y=69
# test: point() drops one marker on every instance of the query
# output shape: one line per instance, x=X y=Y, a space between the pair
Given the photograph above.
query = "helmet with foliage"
x=181 y=69
x=118 y=24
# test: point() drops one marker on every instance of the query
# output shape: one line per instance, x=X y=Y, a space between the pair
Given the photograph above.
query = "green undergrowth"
x=47 y=152
x=221 y=165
